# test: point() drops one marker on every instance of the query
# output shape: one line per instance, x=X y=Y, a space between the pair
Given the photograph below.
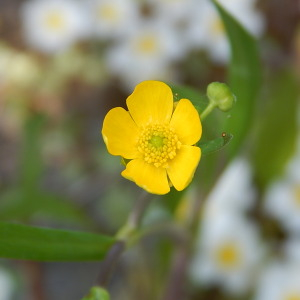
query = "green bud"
x=220 y=95
x=97 y=293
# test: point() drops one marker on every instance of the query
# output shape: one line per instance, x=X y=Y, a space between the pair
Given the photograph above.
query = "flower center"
x=292 y=296
x=108 y=12
x=55 y=21
x=147 y=44
x=158 y=144
x=297 y=195
x=217 y=27
x=228 y=256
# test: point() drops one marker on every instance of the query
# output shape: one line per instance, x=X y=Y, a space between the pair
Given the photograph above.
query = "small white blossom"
x=146 y=53
x=279 y=281
x=206 y=31
x=53 y=25
x=6 y=285
x=233 y=192
x=112 y=18
x=228 y=254
x=282 y=199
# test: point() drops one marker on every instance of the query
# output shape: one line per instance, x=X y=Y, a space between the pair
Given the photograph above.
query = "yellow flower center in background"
x=297 y=194
x=217 y=27
x=108 y=12
x=228 y=256
x=158 y=144
x=292 y=296
x=147 y=44
x=55 y=21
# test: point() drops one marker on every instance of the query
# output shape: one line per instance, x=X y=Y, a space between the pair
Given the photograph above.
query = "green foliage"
x=215 y=145
x=277 y=128
x=28 y=198
x=244 y=78
x=43 y=244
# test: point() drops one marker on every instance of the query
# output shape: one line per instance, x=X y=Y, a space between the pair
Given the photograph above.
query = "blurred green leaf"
x=13 y=205
x=277 y=127
x=244 y=78
x=43 y=244
x=215 y=145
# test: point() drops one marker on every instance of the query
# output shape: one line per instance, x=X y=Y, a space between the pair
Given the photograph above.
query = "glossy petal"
x=182 y=168
x=120 y=133
x=186 y=122
x=153 y=180
x=151 y=101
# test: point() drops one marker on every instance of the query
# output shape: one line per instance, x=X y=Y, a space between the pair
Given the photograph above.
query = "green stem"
x=209 y=108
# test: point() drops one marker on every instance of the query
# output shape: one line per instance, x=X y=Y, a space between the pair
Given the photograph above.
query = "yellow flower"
x=156 y=138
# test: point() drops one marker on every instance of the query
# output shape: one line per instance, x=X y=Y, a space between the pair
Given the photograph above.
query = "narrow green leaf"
x=244 y=78
x=217 y=144
x=277 y=129
x=43 y=244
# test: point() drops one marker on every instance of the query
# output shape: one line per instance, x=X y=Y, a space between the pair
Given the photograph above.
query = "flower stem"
x=124 y=236
x=209 y=108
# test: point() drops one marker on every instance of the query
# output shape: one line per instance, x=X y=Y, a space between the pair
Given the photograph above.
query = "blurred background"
x=65 y=63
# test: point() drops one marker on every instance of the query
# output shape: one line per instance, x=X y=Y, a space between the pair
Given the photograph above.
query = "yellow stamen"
x=55 y=21
x=228 y=256
x=297 y=194
x=292 y=296
x=158 y=144
x=108 y=12
x=147 y=44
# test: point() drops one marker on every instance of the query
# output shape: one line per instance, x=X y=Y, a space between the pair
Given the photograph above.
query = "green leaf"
x=277 y=128
x=43 y=244
x=14 y=204
x=244 y=78
x=215 y=145
x=199 y=100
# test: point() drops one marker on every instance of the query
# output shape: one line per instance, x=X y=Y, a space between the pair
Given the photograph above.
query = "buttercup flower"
x=156 y=138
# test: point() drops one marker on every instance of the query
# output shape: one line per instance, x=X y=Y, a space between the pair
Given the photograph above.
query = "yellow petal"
x=182 y=168
x=120 y=133
x=151 y=101
x=153 y=180
x=186 y=122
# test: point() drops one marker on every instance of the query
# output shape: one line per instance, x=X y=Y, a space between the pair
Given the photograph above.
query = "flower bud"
x=97 y=293
x=220 y=95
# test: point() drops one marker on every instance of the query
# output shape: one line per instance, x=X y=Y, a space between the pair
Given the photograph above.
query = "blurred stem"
x=124 y=237
x=134 y=219
x=209 y=108
x=175 y=288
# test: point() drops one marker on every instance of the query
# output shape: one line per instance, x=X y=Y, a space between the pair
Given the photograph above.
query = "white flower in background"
x=282 y=199
x=206 y=30
x=146 y=53
x=228 y=254
x=6 y=285
x=53 y=25
x=292 y=250
x=233 y=192
x=172 y=10
x=279 y=281
x=246 y=13
x=112 y=18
